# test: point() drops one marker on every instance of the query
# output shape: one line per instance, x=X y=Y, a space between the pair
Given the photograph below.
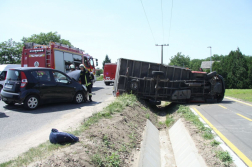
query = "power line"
x=148 y=22
x=170 y=23
x=162 y=18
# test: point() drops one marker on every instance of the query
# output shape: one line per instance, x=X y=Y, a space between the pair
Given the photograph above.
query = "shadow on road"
x=3 y=115
x=97 y=88
x=47 y=108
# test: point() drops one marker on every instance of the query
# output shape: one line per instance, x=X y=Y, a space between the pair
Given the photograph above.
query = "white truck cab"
x=3 y=72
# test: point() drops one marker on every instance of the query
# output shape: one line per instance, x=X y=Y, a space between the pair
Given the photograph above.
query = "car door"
x=44 y=82
x=64 y=88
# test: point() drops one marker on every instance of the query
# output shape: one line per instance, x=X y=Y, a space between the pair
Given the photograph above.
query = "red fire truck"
x=56 y=56
x=109 y=73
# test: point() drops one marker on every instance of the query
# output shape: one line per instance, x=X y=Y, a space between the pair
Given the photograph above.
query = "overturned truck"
x=157 y=82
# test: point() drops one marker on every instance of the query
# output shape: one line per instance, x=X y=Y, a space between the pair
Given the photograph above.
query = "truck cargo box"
x=157 y=82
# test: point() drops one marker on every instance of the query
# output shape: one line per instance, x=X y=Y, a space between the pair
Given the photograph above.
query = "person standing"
x=85 y=79
x=72 y=68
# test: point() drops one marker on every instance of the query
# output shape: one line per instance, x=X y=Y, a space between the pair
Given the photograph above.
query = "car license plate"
x=8 y=86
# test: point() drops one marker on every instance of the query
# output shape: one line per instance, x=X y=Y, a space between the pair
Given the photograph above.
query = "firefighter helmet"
x=72 y=66
x=81 y=65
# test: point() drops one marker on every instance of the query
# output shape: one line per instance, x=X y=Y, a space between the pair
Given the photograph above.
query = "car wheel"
x=78 y=98
x=31 y=102
x=10 y=103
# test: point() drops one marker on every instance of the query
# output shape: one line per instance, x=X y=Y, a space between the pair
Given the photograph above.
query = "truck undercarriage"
x=157 y=82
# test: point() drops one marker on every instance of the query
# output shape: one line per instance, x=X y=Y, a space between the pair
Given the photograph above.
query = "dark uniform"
x=85 y=79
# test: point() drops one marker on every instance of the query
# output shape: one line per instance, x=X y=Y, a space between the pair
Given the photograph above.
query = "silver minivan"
x=3 y=72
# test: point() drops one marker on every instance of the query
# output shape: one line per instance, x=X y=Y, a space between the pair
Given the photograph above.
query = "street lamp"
x=210 y=58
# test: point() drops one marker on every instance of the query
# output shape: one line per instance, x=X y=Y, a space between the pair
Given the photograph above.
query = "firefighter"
x=85 y=79
x=72 y=68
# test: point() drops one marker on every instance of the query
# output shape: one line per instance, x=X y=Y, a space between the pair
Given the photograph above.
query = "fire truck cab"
x=56 y=56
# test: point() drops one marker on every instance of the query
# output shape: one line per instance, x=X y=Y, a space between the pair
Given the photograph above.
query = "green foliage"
x=195 y=64
x=244 y=94
x=10 y=52
x=224 y=156
x=169 y=120
x=97 y=160
x=107 y=60
x=99 y=72
x=46 y=38
x=190 y=116
x=215 y=143
x=100 y=78
x=113 y=160
x=180 y=60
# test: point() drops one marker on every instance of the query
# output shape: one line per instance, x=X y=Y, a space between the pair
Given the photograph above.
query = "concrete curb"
x=150 y=147
x=185 y=151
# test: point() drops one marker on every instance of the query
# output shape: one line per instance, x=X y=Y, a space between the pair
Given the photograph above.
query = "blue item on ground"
x=57 y=137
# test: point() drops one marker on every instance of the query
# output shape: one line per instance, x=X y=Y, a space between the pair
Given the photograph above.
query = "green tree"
x=107 y=60
x=10 y=52
x=235 y=64
x=99 y=72
x=180 y=60
x=195 y=64
x=46 y=38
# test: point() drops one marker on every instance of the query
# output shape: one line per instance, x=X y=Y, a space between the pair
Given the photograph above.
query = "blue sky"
x=120 y=29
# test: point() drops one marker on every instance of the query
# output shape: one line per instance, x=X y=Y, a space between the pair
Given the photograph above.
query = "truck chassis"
x=157 y=82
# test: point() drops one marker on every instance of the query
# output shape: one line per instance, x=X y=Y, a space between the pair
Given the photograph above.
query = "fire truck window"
x=91 y=62
x=86 y=62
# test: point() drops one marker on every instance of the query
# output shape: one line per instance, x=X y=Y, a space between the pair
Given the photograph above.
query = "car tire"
x=78 y=98
x=10 y=103
x=31 y=102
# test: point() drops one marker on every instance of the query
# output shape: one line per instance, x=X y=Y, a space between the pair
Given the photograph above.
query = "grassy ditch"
x=107 y=138
x=243 y=94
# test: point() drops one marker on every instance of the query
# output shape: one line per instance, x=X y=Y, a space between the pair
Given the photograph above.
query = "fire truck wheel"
x=78 y=98
x=31 y=102
x=107 y=83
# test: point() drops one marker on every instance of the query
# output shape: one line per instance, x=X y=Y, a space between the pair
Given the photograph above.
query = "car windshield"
x=13 y=75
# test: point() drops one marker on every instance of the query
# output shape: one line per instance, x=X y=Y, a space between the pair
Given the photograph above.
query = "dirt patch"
x=110 y=142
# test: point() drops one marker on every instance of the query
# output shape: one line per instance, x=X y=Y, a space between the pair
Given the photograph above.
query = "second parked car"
x=35 y=86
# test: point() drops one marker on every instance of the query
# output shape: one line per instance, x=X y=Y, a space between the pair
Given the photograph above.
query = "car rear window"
x=13 y=75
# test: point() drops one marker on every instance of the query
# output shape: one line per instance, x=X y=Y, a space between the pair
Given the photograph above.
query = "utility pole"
x=162 y=51
x=210 y=58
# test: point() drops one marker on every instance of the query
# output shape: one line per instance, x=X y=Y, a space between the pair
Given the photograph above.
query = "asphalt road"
x=16 y=121
x=233 y=119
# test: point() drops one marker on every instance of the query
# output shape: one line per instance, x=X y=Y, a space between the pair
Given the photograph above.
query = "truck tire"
x=210 y=75
x=221 y=97
x=107 y=83
x=31 y=102
x=157 y=73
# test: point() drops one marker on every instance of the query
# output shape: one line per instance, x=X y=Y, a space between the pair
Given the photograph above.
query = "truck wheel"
x=210 y=75
x=157 y=73
x=107 y=83
x=31 y=102
x=221 y=97
x=78 y=98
